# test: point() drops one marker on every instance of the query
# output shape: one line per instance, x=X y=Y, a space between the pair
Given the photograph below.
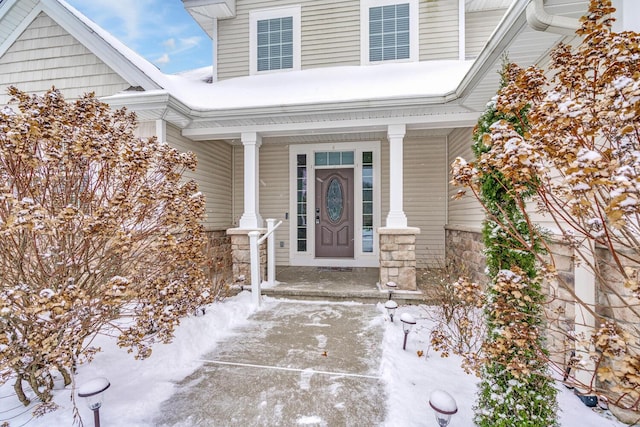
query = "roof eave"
x=162 y=99
x=157 y=104
x=206 y=124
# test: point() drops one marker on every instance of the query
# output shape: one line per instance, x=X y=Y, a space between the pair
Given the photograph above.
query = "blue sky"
x=162 y=31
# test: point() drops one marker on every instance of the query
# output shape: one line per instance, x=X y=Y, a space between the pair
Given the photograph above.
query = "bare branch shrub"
x=459 y=326
x=99 y=233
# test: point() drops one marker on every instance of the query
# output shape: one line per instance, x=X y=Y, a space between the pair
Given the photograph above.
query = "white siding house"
x=338 y=117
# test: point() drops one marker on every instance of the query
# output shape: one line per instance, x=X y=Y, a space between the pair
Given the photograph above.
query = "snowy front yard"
x=138 y=388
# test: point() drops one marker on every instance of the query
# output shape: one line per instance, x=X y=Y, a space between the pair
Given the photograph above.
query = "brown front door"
x=334 y=213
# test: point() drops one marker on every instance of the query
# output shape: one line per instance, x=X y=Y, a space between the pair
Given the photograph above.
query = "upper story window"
x=389 y=30
x=275 y=43
x=275 y=39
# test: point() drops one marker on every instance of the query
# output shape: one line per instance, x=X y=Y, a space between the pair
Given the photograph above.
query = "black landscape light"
x=407 y=323
x=392 y=286
x=391 y=307
x=444 y=405
x=93 y=391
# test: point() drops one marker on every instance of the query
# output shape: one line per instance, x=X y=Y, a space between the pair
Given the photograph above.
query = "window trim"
x=414 y=30
x=279 y=12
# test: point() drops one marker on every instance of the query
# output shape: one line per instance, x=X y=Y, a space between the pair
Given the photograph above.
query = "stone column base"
x=241 y=254
x=398 y=256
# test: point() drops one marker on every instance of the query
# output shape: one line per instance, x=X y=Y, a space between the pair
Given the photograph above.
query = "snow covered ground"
x=139 y=387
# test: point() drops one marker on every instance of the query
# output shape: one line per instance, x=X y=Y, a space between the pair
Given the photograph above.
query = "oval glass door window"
x=335 y=203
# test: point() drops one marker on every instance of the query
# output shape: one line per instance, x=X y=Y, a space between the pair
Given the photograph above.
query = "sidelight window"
x=367 y=201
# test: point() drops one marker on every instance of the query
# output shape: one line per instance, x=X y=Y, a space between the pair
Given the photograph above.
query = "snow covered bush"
x=577 y=149
x=99 y=233
x=512 y=363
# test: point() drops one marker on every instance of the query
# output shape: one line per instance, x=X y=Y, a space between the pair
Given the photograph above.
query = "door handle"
x=317 y=215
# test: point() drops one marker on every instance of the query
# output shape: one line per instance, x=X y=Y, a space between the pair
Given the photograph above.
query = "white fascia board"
x=6 y=6
x=167 y=106
x=430 y=121
x=140 y=99
x=97 y=45
x=4 y=47
x=326 y=107
x=511 y=25
x=160 y=102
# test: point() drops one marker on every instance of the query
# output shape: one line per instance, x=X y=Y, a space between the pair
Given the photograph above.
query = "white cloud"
x=169 y=43
x=182 y=45
x=190 y=42
x=159 y=30
x=163 y=60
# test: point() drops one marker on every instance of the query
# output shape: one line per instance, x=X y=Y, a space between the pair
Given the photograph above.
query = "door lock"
x=317 y=215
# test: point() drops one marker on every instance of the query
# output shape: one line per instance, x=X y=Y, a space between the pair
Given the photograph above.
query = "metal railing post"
x=254 y=243
x=255 y=267
x=271 y=252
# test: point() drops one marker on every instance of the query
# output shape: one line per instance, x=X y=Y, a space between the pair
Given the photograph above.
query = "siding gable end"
x=17 y=16
x=46 y=55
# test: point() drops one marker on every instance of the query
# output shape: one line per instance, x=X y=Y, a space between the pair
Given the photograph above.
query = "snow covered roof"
x=321 y=85
x=318 y=85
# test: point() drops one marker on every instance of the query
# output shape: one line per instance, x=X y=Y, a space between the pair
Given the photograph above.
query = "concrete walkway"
x=294 y=364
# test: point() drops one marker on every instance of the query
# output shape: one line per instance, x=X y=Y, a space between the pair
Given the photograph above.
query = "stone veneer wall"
x=609 y=297
x=241 y=255
x=398 y=256
x=464 y=247
x=465 y=253
x=218 y=253
x=219 y=246
x=560 y=310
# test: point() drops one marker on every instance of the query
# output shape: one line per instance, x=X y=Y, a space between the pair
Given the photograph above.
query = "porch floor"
x=358 y=284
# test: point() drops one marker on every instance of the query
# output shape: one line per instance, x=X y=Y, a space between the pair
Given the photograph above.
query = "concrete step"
x=367 y=297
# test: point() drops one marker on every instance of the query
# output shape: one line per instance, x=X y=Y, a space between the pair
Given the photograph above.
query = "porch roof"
x=316 y=86
x=328 y=99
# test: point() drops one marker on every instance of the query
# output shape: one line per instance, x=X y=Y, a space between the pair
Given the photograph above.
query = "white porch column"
x=396 y=217
x=585 y=322
x=251 y=217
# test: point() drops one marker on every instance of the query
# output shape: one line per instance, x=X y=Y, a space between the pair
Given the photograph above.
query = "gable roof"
x=16 y=15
